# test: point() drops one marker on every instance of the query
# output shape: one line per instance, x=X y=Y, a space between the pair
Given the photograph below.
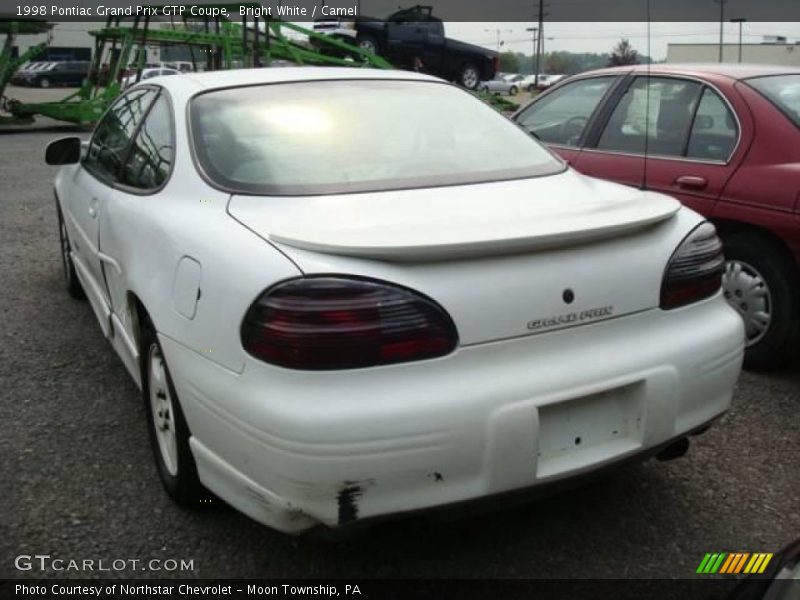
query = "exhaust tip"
x=674 y=450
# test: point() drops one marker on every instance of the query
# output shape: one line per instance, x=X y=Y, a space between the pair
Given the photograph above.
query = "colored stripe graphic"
x=730 y=565
x=752 y=564
x=711 y=562
x=727 y=564
x=703 y=563
x=740 y=564
x=734 y=563
x=715 y=567
x=758 y=563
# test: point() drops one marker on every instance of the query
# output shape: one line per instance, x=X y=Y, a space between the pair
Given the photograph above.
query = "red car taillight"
x=695 y=269
x=330 y=322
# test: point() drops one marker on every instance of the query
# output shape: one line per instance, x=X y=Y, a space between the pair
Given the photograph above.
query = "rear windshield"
x=328 y=137
x=782 y=90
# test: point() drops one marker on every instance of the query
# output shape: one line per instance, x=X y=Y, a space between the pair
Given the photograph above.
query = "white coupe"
x=347 y=293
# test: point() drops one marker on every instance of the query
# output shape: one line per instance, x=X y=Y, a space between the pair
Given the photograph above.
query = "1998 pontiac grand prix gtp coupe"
x=347 y=293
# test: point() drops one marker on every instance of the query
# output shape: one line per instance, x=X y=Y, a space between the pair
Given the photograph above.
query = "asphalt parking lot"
x=78 y=479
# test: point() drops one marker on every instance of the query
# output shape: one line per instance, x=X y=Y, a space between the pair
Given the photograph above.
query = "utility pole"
x=739 y=20
x=539 y=39
x=534 y=40
x=721 y=23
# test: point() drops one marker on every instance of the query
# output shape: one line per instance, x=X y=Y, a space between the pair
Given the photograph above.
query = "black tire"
x=469 y=76
x=368 y=44
x=531 y=88
x=513 y=91
x=778 y=345
x=183 y=486
x=44 y=82
x=71 y=281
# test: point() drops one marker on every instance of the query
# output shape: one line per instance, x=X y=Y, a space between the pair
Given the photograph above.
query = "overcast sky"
x=601 y=37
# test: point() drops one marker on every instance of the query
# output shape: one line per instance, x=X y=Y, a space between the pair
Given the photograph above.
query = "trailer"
x=8 y=63
x=221 y=44
x=214 y=42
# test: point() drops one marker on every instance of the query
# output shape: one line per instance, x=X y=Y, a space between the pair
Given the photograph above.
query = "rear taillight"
x=695 y=269
x=323 y=323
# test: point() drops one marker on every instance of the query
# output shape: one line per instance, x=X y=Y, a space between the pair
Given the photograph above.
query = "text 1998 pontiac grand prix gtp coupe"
x=347 y=293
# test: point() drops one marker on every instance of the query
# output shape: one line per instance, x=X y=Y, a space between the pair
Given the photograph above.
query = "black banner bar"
x=701 y=588
x=447 y=10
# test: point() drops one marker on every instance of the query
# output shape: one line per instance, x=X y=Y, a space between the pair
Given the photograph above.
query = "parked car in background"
x=529 y=83
x=549 y=81
x=723 y=139
x=500 y=86
x=68 y=73
x=20 y=77
x=504 y=322
x=148 y=74
x=184 y=66
x=414 y=39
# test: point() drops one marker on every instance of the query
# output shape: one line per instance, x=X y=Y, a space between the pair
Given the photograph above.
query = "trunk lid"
x=504 y=259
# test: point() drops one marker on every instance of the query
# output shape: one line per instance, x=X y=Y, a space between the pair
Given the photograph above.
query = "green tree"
x=623 y=54
x=509 y=62
x=558 y=63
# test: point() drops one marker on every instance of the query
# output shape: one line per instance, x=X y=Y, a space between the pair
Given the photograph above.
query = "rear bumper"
x=296 y=449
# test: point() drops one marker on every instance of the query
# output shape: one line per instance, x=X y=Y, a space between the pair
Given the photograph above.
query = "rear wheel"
x=513 y=91
x=469 y=76
x=368 y=44
x=44 y=82
x=169 y=434
x=73 y=284
x=761 y=284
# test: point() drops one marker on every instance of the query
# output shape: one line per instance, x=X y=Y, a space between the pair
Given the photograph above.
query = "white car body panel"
x=294 y=448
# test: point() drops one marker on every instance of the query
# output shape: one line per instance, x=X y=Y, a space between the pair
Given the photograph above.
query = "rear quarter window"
x=783 y=91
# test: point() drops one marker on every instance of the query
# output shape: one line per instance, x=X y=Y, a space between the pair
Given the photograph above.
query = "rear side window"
x=714 y=131
x=150 y=157
x=561 y=116
x=654 y=114
x=781 y=90
x=112 y=137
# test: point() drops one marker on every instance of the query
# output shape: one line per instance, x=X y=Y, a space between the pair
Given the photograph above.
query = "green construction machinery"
x=8 y=63
x=214 y=43
x=121 y=50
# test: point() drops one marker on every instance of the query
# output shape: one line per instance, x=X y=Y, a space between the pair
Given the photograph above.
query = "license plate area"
x=583 y=431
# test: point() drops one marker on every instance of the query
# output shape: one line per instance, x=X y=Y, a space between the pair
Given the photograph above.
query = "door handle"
x=93 y=203
x=692 y=182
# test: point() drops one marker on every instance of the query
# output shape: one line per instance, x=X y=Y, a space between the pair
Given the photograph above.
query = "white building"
x=68 y=40
x=770 y=53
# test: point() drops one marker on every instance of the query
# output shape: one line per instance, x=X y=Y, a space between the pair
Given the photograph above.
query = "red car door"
x=686 y=128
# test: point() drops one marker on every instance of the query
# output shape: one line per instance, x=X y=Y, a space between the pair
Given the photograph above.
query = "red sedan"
x=723 y=139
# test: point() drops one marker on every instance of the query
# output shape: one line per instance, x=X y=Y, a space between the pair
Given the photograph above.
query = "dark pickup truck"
x=413 y=39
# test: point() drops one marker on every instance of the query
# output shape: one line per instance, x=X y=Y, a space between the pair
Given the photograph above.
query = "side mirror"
x=66 y=151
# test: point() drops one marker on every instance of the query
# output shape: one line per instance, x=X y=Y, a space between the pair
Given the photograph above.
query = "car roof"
x=209 y=80
x=730 y=70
